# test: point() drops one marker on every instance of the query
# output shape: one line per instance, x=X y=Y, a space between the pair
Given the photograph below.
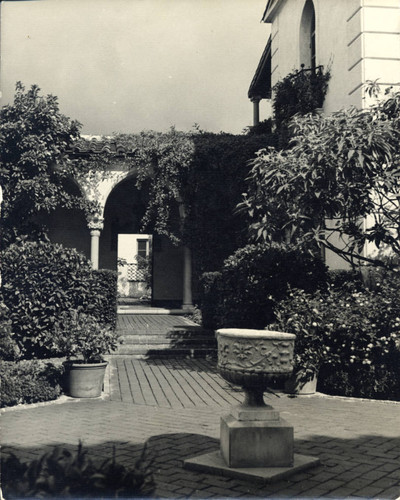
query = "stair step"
x=165 y=351
x=127 y=309
x=143 y=337
x=149 y=339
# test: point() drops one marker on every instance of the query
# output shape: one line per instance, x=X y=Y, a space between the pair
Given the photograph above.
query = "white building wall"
x=358 y=40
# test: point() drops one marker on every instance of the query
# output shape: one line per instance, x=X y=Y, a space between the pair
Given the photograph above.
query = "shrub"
x=79 y=334
x=252 y=280
x=9 y=350
x=105 y=294
x=300 y=313
x=60 y=473
x=41 y=280
x=357 y=332
x=29 y=382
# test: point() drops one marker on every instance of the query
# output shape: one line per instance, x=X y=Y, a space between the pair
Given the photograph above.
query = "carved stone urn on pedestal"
x=255 y=442
x=253 y=434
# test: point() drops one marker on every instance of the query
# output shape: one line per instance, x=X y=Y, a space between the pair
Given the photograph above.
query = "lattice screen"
x=135 y=274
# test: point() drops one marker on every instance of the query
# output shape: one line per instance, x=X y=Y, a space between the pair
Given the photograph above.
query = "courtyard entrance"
x=135 y=267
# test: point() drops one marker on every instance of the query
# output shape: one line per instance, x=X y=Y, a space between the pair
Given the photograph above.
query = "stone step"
x=164 y=351
x=161 y=337
x=154 y=331
x=127 y=309
x=165 y=339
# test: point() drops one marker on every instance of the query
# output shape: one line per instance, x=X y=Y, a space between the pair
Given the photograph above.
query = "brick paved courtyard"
x=174 y=406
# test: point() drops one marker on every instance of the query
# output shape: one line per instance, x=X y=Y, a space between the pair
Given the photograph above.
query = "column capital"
x=96 y=223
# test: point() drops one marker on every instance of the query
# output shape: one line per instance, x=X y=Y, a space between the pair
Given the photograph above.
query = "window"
x=307 y=36
x=142 y=248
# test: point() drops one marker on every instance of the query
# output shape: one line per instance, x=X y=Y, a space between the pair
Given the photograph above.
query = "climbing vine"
x=161 y=162
x=299 y=92
x=193 y=182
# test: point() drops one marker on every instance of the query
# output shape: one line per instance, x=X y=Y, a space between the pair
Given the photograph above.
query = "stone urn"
x=253 y=358
x=253 y=434
x=255 y=442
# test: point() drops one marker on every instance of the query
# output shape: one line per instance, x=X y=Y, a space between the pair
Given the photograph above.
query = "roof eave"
x=270 y=10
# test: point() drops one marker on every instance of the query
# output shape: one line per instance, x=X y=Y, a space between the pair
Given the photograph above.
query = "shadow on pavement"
x=367 y=467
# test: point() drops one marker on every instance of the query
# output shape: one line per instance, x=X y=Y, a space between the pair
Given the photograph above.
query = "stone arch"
x=68 y=226
x=123 y=210
x=307 y=36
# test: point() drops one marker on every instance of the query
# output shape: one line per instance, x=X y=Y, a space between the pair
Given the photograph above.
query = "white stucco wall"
x=358 y=40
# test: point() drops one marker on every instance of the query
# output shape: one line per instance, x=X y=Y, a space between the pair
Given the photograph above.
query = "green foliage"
x=215 y=185
x=9 y=350
x=34 y=137
x=161 y=162
x=299 y=92
x=104 y=288
x=192 y=184
x=251 y=281
x=81 y=335
x=264 y=127
x=41 y=280
x=340 y=169
x=29 y=382
x=60 y=473
x=350 y=334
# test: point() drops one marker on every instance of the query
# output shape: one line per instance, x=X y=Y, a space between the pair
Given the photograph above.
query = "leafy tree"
x=34 y=137
x=337 y=186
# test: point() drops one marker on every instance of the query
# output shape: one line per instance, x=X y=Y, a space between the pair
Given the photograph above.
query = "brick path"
x=174 y=406
x=170 y=383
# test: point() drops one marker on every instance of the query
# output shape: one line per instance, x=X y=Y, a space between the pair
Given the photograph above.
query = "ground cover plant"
x=349 y=333
x=61 y=473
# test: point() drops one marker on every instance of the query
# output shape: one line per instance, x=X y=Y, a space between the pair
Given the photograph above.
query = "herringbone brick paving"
x=357 y=441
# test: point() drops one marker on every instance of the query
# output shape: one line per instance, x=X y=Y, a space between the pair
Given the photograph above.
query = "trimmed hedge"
x=244 y=292
x=29 y=381
x=41 y=280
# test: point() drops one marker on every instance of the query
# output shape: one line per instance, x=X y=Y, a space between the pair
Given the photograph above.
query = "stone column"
x=187 y=302
x=256 y=112
x=187 y=278
x=95 y=225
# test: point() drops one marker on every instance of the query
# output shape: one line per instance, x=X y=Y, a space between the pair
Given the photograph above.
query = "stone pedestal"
x=256 y=443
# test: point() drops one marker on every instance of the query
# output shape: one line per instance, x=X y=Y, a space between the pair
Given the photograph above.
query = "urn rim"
x=255 y=334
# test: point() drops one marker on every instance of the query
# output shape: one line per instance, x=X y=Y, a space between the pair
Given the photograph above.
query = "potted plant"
x=84 y=341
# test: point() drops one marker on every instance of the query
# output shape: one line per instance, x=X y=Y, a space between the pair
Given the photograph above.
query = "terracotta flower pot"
x=85 y=380
x=295 y=386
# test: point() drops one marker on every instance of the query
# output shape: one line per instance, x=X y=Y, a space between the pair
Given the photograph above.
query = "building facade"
x=356 y=40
